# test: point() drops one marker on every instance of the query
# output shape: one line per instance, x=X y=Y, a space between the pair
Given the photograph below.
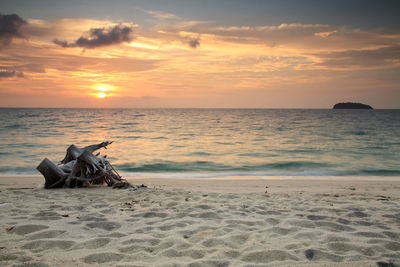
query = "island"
x=350 y=105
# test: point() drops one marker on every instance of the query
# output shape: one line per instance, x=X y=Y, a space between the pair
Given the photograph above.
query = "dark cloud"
x=194 y=42
x=101 y=37
x=10 y=27
x=11 y=73
x=63 y=43
x=377 y=58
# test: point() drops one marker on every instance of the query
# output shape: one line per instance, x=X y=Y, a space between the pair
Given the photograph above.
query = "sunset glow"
x=101 y=95
x=103 y=87
x=209 y=55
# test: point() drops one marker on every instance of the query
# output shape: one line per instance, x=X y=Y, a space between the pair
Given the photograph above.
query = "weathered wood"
x=53 y=175
x=72 y=154
x=80 y=167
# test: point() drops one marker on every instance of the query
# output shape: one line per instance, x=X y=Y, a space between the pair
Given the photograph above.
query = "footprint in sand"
x=268 y=256
x=308 y=235
x=343 y=221
x=284 y=231
x=343 y=248
x=392 y=235
x=8 y=257
x=209 y=263
x=102 y=257
x=47 y=216
x=316 y=217
x=46 y=234
x=206 y=215
x=108 y=226
x=148 y=241
x=317 y=255
x=40 y=245
x=272 y=221
x=357 y=214
x=114 y=235
x=91 y=218
x=395 y=246
x=335 y=238
x=28 y=228
x=301 y=223
x=192 y=253
x=334 y=226
x=370 y=234
x=147 y=244
x=93 y=243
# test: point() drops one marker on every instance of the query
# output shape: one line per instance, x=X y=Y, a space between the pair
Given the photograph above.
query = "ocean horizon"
x=208 y=142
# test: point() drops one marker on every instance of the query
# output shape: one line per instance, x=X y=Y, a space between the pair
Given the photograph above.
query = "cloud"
x=385 y=57
x=324 y=34
x=161 y=15
x=10 y=73
x=101 y=37
x=317 y=37
x=194 y=42
x=23 y=67
x=45 y=61
x=10 y=27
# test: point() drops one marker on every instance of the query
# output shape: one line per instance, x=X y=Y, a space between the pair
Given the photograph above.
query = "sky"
x=199 y=54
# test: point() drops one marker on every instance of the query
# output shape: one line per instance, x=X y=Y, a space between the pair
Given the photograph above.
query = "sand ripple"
x=175 y=227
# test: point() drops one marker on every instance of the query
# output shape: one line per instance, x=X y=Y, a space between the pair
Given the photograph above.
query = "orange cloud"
x=271 y=63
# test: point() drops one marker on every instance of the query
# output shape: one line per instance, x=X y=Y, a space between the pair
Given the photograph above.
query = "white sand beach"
x=236 y=221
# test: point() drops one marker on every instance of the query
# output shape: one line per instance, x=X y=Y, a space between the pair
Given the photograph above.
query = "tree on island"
x=351 y=105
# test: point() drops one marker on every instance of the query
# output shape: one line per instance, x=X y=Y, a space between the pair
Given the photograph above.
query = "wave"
x=14 y=126
x=360 y=133
x=262 y=174
x=201 y=168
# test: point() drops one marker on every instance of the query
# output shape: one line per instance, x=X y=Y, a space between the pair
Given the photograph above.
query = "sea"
x=202 y=143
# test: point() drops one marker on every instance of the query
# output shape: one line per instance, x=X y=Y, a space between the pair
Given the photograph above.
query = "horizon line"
x=180 y=108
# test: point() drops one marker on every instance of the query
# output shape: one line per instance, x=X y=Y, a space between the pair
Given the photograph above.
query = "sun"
x=102 y=90
x=101 y=95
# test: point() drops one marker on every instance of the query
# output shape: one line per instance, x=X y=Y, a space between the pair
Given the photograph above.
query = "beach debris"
x=309 y=253
x=64 y=215
x=336 y=195
x=121 y=185
x=137 y=187
x=10 y=228
x=81 y=168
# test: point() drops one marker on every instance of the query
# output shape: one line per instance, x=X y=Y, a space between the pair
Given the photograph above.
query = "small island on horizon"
x=351 y=105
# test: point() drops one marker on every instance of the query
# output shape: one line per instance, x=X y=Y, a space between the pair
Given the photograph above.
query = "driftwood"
x=80 y=168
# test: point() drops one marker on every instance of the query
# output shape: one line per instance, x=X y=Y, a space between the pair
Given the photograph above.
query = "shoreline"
x=202 y=222
x=230 y=183
x=236 y=177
